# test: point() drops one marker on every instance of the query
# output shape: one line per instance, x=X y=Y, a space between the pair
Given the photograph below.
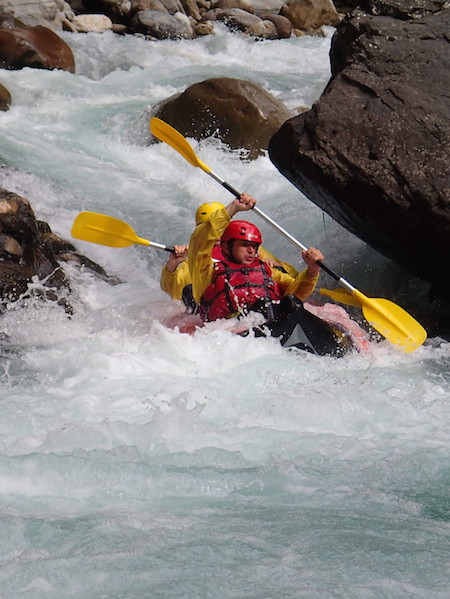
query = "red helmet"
x=241 y=229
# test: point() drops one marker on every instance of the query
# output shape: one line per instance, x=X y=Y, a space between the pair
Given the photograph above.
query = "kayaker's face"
x=244 y=252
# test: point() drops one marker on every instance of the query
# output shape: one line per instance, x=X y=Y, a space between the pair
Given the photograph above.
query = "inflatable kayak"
x=297 y=327
x=321 y=330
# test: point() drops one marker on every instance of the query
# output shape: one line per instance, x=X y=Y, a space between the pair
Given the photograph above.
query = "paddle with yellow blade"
x=342 y=296
x=394 y=323
x=110 y=231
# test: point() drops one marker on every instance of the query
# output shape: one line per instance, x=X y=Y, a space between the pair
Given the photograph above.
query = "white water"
x=137 y=462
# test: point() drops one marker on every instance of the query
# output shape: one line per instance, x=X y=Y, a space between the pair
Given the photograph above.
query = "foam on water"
x=139 y=462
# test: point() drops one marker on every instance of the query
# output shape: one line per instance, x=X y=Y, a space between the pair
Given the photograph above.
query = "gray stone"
x=162 y=26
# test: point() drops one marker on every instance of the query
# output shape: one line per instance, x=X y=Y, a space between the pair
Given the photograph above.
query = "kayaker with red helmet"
x=241 y=279
x=175 y=275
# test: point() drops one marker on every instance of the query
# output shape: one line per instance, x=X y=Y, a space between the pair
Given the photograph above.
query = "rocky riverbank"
x=174 y=19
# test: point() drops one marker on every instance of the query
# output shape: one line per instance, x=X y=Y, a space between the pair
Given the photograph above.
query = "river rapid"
x=137 y=462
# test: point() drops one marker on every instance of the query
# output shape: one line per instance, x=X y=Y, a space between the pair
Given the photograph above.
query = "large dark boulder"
x=241 y=113
x=374 y=151
x=23 y=46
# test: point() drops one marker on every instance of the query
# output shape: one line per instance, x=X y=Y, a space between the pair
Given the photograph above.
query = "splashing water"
x=139 y=462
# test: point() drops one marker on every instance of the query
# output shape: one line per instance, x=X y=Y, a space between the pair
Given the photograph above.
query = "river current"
x=137 y=462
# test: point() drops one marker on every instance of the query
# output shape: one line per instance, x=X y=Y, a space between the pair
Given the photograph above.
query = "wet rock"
x=264 y=30
x=94 y=23
x=38 y=47
x=282 y=25
x=204 y=28
x=235 y=19
x=166 y=6
x=242 y=4
x=31 y=256
x=310 y=14
x=241 y=113
x=162 y=26
x=5 y=98
x=191 y=8
x=144 y=5
x=265 y=6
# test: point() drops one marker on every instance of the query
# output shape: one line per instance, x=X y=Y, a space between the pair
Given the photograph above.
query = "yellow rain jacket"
x=201 y=244
x=174 y=282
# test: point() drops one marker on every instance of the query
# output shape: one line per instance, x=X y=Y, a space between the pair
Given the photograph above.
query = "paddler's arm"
x=203 y=240
x=302 y=286
x=174 y=282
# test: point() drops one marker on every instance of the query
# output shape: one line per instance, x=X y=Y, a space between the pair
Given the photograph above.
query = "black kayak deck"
x=297 y=328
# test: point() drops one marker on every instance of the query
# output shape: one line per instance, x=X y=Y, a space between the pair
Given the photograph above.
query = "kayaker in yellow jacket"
x=204 y=238
x=175 y=275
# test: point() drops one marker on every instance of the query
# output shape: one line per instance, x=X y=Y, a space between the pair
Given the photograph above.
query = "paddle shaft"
x=280 y=229
x=160 y=246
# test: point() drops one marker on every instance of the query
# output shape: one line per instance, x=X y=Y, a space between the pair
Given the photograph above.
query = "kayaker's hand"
x=273 y=263
x=179 y=254
x=311 y=256
x=241 y=204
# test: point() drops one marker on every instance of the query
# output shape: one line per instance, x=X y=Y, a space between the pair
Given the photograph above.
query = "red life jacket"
x=236 y=287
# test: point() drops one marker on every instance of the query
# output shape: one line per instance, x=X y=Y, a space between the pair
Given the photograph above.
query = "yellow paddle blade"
x=342 y=296
x=171 y=136
x=105 y=230
x=394 y=323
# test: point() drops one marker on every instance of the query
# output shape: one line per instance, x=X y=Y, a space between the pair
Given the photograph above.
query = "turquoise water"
x=137 y=462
